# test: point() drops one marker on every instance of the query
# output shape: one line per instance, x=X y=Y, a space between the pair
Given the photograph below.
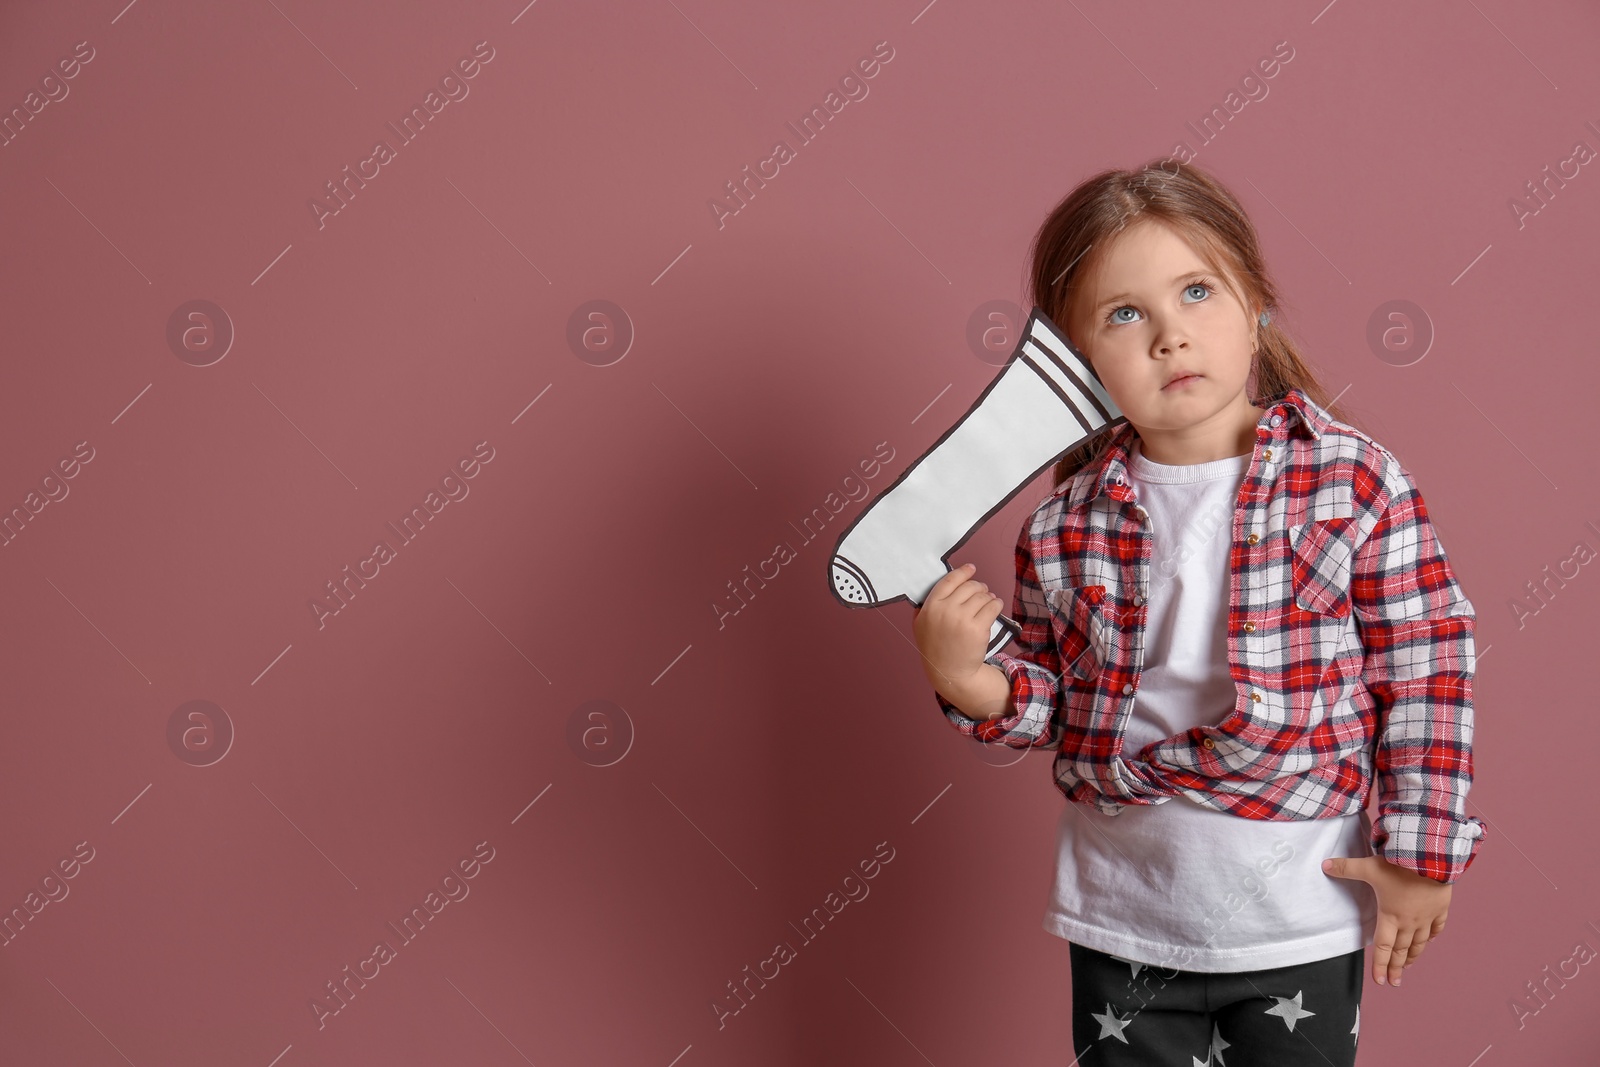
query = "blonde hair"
x=1211 y=219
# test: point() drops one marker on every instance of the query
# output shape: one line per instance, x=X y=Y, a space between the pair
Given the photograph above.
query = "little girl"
x=1232 y=612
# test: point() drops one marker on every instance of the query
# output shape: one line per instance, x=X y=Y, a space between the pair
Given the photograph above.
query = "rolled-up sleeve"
x=1417 y=631
x=1034 y=671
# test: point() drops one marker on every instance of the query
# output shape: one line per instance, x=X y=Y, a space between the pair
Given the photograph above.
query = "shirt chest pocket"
x=1084 y=633
x=1321 y=551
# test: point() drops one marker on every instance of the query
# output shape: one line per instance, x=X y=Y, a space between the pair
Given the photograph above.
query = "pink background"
x=742 y=766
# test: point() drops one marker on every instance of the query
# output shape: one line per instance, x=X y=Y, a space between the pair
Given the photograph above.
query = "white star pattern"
x=1289 y=1010
x=1218 y=1043
x=1134 y=966
x=1110 y=1025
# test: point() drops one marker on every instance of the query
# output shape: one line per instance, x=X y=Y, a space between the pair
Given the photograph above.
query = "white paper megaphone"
x=1044 y=403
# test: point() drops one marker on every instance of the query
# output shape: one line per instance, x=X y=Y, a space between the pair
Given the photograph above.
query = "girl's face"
x=1172 y=346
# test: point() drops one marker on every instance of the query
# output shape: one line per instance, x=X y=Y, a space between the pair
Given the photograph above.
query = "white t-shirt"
x=1176 y=884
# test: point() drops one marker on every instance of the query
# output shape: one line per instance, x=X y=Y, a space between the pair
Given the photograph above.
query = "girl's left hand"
x=1411 y=910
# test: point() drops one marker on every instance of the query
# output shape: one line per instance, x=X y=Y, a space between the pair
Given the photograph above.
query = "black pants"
x=1135 y=1013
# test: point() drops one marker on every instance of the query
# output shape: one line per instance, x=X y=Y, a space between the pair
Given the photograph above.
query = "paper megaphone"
x=1044 y=403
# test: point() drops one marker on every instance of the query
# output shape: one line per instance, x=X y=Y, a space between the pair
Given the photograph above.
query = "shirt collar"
x=1291 y=413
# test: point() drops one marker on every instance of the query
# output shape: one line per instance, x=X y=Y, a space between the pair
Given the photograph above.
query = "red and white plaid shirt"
x=1349 y=641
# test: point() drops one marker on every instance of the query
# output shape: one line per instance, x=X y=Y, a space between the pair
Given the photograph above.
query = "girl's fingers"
x=1382 y=948
x=1422 y=938
x=1400 y=956
x=978 y=606
x=973 y=596
x=948 y=584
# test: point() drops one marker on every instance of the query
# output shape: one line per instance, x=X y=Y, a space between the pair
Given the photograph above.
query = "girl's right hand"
x=952 y=628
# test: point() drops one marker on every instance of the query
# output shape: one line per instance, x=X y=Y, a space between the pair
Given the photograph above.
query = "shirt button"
x=1249 y=627
x=1209 y=743
x=1252 y=539
x=1127 y=689
x=1267 y=454
x=1138 y=599
x=1256 y=697
x=1277 y=420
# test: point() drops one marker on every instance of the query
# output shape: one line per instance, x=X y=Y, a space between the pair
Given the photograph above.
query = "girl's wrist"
x=983 y=694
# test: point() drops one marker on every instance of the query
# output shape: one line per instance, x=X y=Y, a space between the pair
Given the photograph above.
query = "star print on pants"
x=1218 y=1043
x=1110 y=1025
x=1134 y=966
x=1290 y=1010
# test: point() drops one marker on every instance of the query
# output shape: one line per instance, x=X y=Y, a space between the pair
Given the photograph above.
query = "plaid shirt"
x=1349 y=641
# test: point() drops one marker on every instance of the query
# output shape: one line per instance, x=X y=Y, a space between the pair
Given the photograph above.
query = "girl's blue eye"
x=1204 y=286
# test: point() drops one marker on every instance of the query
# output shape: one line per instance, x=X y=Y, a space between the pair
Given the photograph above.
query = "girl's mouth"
x=1180 y=383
